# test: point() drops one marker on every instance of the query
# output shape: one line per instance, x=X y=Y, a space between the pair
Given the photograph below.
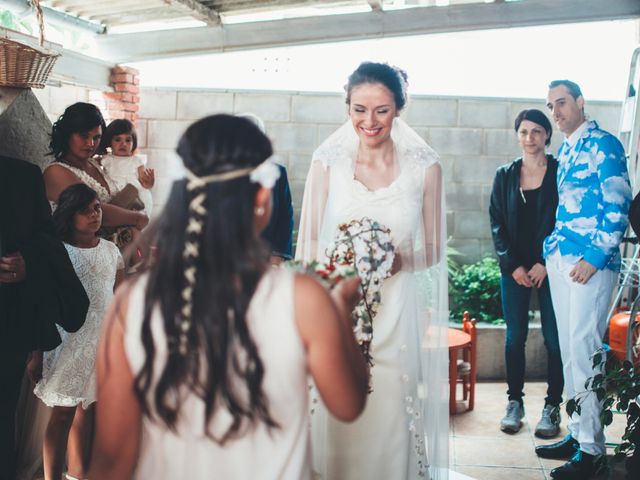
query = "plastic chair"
x=462 y=371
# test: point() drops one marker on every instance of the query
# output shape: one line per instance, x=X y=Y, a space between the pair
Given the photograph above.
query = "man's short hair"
x=574 y=88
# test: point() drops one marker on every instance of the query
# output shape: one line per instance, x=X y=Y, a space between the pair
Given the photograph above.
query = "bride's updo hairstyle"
x=77 y=118
x=208 y=265
x=395 y=79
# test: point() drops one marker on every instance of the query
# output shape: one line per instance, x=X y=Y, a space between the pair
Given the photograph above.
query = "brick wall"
x=472 y=135
x=124 y=101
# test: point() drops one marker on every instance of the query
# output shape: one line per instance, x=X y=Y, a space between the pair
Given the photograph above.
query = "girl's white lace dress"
x=68 y=372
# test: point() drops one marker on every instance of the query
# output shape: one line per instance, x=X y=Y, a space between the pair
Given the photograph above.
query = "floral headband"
x=266 y=174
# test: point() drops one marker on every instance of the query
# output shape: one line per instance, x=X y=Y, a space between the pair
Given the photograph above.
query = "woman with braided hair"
x=202 y=369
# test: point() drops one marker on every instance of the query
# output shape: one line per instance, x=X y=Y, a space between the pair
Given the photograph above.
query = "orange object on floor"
x=618 y=331
x=463 y=370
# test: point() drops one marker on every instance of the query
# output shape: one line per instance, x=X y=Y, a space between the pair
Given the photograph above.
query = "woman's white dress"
x=259 y=454
x=390 y=439
x=68 y=372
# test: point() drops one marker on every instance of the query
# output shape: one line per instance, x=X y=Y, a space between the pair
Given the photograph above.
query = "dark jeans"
x=515 y=307
x=12 y=366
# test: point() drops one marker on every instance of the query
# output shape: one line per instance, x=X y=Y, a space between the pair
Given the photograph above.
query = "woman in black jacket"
x=522 y=210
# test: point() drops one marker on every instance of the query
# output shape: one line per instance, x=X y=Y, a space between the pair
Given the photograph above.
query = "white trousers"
x=581 y=315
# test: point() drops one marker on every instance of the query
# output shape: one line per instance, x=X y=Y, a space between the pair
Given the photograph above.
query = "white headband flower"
x=266 y=174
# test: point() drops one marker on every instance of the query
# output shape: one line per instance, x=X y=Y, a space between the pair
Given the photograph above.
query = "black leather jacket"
x=503 y=211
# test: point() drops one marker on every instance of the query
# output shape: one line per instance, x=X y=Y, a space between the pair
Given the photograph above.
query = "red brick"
x=136 y=80
x=123 y=69
x=128 y=97
x=131 y=107
x=121 y=78
x=112 y=95
x=126 y=87
x=115 y=105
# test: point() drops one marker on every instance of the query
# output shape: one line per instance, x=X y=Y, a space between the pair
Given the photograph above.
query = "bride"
x=377 y=166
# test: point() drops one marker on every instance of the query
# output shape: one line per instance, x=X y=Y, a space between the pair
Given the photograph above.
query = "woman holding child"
x=75 y=139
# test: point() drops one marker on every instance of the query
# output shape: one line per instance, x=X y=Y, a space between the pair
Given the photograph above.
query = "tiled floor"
x=480 y=450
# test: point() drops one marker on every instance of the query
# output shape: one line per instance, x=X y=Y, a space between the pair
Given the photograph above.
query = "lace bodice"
x=103 y=194
x=96 y=268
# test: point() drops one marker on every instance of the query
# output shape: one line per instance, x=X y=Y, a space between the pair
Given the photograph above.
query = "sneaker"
x=513 y=418
x=549 y=424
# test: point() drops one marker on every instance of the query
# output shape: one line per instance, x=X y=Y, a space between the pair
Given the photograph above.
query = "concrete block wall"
x=54 y=99
x=472 y=135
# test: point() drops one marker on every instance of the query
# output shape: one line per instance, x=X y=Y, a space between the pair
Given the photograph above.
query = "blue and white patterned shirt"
x=594 y=196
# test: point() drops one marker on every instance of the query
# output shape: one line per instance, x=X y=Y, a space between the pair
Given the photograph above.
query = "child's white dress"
x=68 y=372
x=125 y=170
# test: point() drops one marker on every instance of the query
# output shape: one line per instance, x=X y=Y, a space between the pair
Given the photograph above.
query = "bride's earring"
x=259 y=211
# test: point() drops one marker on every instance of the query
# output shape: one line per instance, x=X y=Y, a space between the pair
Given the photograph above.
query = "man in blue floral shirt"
x=583 y=259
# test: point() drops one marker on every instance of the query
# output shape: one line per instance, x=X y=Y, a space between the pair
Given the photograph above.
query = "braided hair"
x=209 y=262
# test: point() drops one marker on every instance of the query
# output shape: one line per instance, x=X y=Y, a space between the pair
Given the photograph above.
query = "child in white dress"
x=119 y=143
x=68 y=381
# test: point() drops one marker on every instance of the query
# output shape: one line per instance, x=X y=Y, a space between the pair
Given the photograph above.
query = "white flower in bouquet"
x=370 y=250
x=361 y=247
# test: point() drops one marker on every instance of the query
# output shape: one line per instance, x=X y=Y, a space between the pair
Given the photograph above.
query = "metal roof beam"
x=333 y=28
x=53 y=16
x=199 y=11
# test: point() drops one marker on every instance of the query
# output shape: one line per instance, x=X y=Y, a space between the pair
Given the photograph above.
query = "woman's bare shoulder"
x=58 y=170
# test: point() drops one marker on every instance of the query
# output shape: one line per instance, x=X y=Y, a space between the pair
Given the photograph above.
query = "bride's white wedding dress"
x=403 y=432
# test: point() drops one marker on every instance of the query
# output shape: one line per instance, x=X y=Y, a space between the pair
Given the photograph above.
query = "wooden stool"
x=463 y=371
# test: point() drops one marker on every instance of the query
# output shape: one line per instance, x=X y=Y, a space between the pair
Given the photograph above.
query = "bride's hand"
x=396 y=266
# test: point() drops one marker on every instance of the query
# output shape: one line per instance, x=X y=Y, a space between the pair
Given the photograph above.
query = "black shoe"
x=581 y=467
x=565 y=448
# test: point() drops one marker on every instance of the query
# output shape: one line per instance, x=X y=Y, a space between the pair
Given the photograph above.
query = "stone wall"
x=472 y=135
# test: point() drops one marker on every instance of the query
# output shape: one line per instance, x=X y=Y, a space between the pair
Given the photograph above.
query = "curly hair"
x=77 y=118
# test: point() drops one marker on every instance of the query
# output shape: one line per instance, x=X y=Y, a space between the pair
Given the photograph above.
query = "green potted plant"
x=476 y=288
x=617 y=387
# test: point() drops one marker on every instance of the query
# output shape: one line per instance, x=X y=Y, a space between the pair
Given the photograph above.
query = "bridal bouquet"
x=361 y=247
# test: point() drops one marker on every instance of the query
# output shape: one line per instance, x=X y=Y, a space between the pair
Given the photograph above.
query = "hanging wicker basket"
x=25 y=66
